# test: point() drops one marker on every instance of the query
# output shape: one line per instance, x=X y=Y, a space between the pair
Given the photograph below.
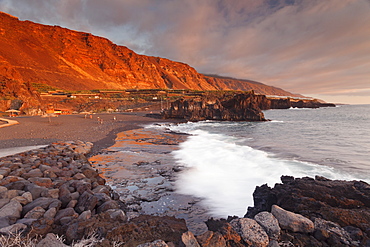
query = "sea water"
x=227 y=160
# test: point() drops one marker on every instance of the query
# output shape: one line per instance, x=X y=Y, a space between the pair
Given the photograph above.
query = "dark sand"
x=38 y=130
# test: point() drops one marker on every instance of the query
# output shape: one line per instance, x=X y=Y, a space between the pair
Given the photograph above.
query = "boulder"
x=189 y=239
x=28 y=196
x=12 y=229
x=50 y=213
x=3 y=192
x=84 y=215
x=52 y=193
x=269 y=223
x=10 y=179
x=51 y=240
x=107 y=205
x=4 y=222
x=117 y=214
x=252 y=233
x=65 y=213
x=156 y=243
x=35 y=190
x=87 y=201
x=211 y=239
x=292 y=221
x=35 y=213
x=40 y=181
x=331 y=232
x=4 y=201
x=43 y=202
x=34 y=173
x=12 y=209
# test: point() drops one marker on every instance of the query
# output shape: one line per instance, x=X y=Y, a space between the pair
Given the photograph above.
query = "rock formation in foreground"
x=54 y=190
x=340 y=209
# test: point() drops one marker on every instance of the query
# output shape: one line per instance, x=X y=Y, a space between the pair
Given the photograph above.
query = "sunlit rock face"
x=72 y=60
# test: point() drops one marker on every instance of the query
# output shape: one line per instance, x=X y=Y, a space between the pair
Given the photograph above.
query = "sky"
x=318 y=48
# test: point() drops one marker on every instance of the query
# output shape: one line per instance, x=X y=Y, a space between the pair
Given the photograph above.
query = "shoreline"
x=139 y=167
x=35 y=130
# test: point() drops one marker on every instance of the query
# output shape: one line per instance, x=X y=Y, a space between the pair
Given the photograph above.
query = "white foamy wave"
x=276 y=121
x=225 y=174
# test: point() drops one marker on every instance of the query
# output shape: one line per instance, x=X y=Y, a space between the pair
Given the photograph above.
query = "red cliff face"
x=71 y=60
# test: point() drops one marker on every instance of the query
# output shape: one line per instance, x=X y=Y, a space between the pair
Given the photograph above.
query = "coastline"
x=146 y=203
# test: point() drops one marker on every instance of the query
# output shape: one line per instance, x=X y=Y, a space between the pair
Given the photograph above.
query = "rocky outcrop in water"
x=228 y=106
x=286 y=103
x=238 y=107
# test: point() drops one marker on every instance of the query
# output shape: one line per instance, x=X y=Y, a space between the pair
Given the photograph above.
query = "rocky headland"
x=234 y=106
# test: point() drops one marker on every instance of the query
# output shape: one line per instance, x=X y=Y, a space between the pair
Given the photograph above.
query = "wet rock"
x=252 y=233
x=291 y=221
x=269 y=223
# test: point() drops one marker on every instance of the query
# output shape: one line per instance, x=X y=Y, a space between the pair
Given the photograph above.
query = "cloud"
x=304 y=46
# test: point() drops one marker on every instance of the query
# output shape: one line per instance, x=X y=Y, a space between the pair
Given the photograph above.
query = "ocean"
x=226 y=160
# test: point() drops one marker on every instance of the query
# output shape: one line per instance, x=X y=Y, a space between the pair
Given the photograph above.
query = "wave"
x=225 y=173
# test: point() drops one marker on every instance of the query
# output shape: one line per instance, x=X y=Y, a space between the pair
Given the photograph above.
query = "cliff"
x=70 y=60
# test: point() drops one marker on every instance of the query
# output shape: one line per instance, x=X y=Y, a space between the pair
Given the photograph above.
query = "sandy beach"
x=101 y=129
